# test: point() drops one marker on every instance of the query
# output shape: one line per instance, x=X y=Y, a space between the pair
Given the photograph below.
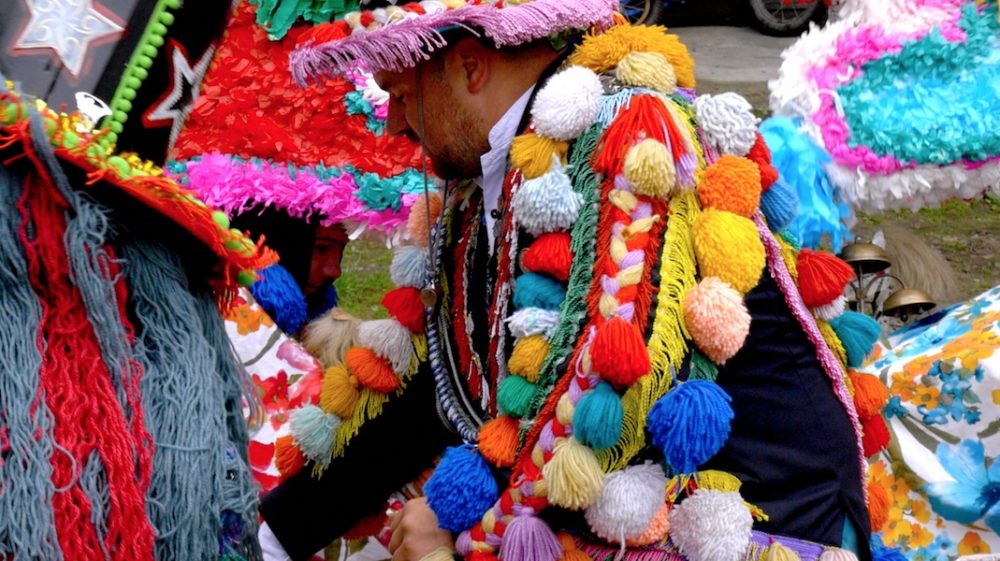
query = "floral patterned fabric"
x=941 y=472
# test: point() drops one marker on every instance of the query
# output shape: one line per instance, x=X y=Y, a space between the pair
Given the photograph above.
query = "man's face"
x=327 y=253
x=452 y=135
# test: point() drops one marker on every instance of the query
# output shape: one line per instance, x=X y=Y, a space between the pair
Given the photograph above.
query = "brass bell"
x=907 y=301
x=865 y=258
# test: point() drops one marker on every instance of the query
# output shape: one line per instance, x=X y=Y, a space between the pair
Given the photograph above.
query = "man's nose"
x=396 y=122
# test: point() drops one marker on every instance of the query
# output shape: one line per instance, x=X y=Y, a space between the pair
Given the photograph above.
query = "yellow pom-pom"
x=573 y=475
x=602 y=52
x=778 y=552
x=340 y=392
x=532 y=154
x=527 y=358
x=647 y=70
x=650 y=169
x=728 y=246
x=731 y=184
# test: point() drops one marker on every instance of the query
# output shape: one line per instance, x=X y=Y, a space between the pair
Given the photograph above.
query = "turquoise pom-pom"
x=281 y=298
x=533 y=290
x=858 y=333
x=461 y=488
x=779 y=204
x=690 y=423
x=514 y=396
x=314 y=430
x=597 y=419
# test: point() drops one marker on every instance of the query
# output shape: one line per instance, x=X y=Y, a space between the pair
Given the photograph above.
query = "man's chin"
x=450 y=171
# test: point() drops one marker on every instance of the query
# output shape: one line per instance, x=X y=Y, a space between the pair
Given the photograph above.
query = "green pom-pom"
x=166 y=18
x=156 y=41
x=149 y=50
x=220 y=219
x=144 y=61
x=120 y=165
x=140 y=73
x=515 y=395
x=70 y=140
x=246 y=278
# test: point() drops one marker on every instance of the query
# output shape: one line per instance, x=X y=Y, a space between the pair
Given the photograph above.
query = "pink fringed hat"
x=399 y=36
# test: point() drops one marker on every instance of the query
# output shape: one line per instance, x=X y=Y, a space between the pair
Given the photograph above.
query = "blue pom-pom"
x=690 y=423
x=882 y=552
x=858 y=333
x=533 y=290
x=779 y=204
x=409 y=266
x=597 y=419
x=461 y=489
x=280 y=297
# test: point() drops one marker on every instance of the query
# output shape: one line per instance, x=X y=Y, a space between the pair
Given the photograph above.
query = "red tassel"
x=404 y=304
x=618 y=353
x=822 y=277
x=760 y=154
x=874 y=435
x=371 y=370
x=287 y=457
x=870 y=394
x=645 y=117
x=550 y=254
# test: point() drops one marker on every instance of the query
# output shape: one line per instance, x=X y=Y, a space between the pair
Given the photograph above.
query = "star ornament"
x=185 y=82
x=67 y=27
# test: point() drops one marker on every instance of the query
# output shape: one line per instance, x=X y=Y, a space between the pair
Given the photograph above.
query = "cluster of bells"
x=870 y=263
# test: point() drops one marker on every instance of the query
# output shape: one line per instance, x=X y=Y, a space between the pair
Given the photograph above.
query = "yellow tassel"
x=532 y=154
x=728 y=246
x=778 y=552
x=527 y=358
x=788 y=255
x=574 y=477
x=603 y=52
x=716 y=480
x=649 y=167
x=647 y=70
x=340 y=392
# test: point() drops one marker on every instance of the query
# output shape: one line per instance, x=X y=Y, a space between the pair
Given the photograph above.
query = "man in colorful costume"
x=610 y=323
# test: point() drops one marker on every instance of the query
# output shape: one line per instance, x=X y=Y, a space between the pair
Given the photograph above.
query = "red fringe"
x=473 y=376
x=822 y=277
x=504 y=272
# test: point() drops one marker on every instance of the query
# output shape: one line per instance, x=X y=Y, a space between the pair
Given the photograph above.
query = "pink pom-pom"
x=716 y=318
x=425 y=211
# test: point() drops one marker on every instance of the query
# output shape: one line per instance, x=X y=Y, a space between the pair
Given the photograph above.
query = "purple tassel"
x=529 y=538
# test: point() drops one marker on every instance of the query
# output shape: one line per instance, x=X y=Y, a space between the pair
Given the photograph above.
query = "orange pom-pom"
x=340 y=392
x=550 y=254
x=657 y=529
x=570 y=551
x=874 y=435
x=371 y=370
x=618 y=352
x=532 y=153
x=878 y=505
x=499 y=440
x=287 y=456
x=404 y=304
x=424 y=210
x=822 y=277
x=368 y=526
x=870 y=394
x=731 y=184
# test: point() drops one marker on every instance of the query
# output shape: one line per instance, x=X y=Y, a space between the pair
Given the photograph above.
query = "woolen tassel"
x=878 y=505
x=628 y=502
x=647 y=70
x=837 y=554
x=874 y=435
x=779 y=552
x=499 y=440
x=573 y=475
x=619 y=353
x=597 y=418
x=532 y=154
x=690 y=423
x=822 y=277
x=280 y=297
x=372 y=371
x=760 y=154
x=329 y=336
x=649 y=167
x=461 y=488
x=527 y=357
x=409 y=266
x=568 y=103
x=423 y=209
x=390 y=340
x=287 y=456
x=717 y=319
x=570 y=551
x=404 y=304
x=514 y=396
x=870 y=394
x=549 y=254
x=340 y=393
x=731 y=184
x=728 y=246
x=314 y=431
x=532 y=290
x=529 y=538
x=858 y=333
x=779 y=204
x=711 y=526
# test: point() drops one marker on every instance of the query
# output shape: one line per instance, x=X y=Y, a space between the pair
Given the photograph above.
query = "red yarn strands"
x=645 y=117
x=79 y=393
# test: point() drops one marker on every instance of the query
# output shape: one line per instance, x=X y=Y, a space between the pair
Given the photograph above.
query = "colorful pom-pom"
x=822 y=277
x=874 y=435
x=404 y=304
x=728 y=246
x=837 y=554
x=499 y=440
x=287 y=456
x=568 y=103
x=618 y=352
x=461 y=488
x=550 y=254
x=532 y=290
x=573 y=475
x=655 y=531
x=371 y=370
x=390 y=340
x=731 y=184
x=547 y=203
x=777 y=551
x=424 y=211
x=340 y=393
x=690 y=423
x=647 y=70
x=649 y=167
x=597 y=417
x=716 y=318
x=533 y=321
x=280 y=297
x=878 y=505
x=534 y=154
x=409 y=266
x=870 y=394
x=628 y=502
x=530 y=538
x=313 y=430
x=527 y=357
x=514 y=396
x=711 y=526
x=858 y=333
x=727 y=122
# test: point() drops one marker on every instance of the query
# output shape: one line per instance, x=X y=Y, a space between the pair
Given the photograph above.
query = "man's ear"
x=471 y=64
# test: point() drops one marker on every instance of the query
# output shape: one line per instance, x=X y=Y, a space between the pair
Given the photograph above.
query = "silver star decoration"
x=68 y=27
x=185 y=81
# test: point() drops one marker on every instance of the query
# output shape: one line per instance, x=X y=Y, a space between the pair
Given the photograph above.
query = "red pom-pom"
x=822 y=277
x=404 y=304
x=874 y=435
x=287 y=457
x=760 y=154
x=618 y=353
x=870 y=394
x=499 y=439
x=371 y=370
x=550 y=254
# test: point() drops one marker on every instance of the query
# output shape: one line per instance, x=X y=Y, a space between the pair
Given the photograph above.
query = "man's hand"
x=415 y=532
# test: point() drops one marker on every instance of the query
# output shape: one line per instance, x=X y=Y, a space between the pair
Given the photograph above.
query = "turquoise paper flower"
x=975 y=493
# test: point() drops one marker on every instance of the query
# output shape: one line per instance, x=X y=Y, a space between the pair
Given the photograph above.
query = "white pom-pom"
x=711 y=526
x=409 y=266
x=831 y=310
x=533 y=321
x=390 y=340
x=629 y=500
x=547 y=203
x=568 y=104
x=728 y=122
